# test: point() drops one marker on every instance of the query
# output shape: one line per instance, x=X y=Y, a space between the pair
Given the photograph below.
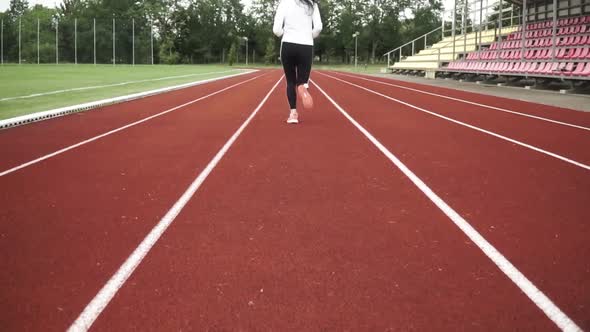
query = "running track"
x=303 y=228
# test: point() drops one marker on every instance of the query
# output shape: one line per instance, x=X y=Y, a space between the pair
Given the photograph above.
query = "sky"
x=53 y=3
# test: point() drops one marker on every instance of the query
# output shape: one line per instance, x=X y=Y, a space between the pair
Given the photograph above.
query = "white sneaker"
x=293 y=118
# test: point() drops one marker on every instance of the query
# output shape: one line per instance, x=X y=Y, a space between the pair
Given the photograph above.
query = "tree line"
x=204 y=31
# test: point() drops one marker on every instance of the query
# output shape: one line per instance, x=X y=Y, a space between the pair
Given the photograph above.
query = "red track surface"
x=304 y=227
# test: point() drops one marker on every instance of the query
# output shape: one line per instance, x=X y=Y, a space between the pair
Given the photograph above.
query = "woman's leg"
x=304 y=60
x=288 y=58
x=305 y=57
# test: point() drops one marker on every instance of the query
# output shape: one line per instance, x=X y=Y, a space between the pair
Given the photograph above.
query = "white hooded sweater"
x=297 y=23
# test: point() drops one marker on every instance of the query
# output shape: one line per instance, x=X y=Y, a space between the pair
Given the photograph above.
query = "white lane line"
x=110 y=85
x=104 y=296
x=71 y=147
x=525 y=285
x=528 y=146
x=471 y=103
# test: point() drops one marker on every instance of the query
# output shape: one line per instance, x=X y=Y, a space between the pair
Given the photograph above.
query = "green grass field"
x=25 y=80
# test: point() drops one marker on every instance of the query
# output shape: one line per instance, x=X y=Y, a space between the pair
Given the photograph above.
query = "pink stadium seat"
x=551 y=69
x=577 y=40
x=560 y=53
x=539 y=67
x=583 y=29
x=533 y=68
x=548 y=54
x=584 y=53
x=579 y=69
x=521 y=66
x=576 y=54
x=586 y=71
x=528 y=55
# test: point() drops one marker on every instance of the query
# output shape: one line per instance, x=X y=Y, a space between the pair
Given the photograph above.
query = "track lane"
x=532 y=208
x=21 y=144
x=309 y=228
x=66 y=224
x=546 y=111
x=564 y=141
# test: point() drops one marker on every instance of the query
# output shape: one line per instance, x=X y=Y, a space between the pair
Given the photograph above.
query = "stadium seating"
x=536 y=57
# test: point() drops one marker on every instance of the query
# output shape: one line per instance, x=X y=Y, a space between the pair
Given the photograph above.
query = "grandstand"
x=544 y=42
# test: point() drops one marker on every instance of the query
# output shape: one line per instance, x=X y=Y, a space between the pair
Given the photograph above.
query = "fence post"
x=152 y=40
x=94 y=43
x=114 y=47
x=465 y=17
x=500 y=30
x=75 y=41
x=454 y=26
x=19 y=40
x=413 y=48
x=524 y=20
x=480 y=23
x=133 y=38
x=2 y=42
x=38 y=60
x=553 y=33
x=57 y=42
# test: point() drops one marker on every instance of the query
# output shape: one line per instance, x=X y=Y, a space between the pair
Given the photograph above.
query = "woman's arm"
x=317 y=21
x=277 y=28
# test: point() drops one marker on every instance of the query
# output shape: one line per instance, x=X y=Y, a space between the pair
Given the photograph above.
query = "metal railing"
x=460 y=23
x=475 y=28
x=413 y=43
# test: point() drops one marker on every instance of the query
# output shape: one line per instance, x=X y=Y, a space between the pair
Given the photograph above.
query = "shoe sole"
x=305 y=97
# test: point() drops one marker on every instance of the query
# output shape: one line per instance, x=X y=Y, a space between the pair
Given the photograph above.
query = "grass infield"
x=25 y=80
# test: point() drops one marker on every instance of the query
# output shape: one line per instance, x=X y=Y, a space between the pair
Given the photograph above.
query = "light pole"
x=246 y=39
x=355 y=36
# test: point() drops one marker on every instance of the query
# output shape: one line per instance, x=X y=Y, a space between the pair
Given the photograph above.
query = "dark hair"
x=309 y=3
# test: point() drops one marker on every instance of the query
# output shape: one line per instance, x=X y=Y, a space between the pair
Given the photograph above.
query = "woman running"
x=298 y=22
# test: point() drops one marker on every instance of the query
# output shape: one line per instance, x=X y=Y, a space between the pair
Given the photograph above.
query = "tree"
x=17 y=8
x=232 y=56
x=270 y=53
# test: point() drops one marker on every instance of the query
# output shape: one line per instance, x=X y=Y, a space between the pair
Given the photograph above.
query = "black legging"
x=296 y=59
